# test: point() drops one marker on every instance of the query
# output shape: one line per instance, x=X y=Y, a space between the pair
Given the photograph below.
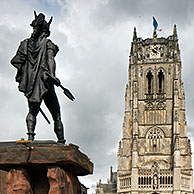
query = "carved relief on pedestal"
x=18 y=182
x=62 y=182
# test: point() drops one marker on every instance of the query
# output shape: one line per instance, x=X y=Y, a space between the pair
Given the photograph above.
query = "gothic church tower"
x=154 y=154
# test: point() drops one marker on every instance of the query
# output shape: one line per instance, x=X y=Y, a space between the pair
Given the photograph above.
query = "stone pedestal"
x=41 y=167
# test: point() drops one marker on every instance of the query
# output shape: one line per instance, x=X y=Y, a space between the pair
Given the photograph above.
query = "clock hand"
x=155 y=51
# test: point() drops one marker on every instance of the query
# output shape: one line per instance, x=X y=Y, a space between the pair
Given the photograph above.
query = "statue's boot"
x=58 y=128
x=31 y=122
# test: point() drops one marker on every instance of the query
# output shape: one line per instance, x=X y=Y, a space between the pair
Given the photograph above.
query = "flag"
x=155 y=23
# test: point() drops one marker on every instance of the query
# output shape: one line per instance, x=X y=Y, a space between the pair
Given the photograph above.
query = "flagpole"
x=154 y=33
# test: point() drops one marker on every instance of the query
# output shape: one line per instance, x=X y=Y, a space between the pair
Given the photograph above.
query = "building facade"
x=110 y=187
x=154 y=155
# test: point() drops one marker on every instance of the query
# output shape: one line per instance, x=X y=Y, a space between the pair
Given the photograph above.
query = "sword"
x=43 y=114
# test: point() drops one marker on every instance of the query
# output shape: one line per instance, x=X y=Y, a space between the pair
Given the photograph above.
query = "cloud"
x=94 y=40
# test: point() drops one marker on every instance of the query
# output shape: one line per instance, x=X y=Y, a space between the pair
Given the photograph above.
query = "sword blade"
x=43 y=114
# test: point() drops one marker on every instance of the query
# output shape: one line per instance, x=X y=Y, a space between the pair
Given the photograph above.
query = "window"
x=161 y=82
x=171 y=179
x=149 y=82
x=154 y=140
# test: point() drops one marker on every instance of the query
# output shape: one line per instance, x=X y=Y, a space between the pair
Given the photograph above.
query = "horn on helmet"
x=50 y=20
x=35 y=15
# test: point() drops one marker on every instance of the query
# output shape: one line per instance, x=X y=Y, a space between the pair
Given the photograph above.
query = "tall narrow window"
x=149 y=82
x=171 y=179
x=160 y=82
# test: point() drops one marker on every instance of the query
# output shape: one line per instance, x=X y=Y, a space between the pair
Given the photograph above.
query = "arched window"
x=161 y=82
x=149 y=82
x=154 y=140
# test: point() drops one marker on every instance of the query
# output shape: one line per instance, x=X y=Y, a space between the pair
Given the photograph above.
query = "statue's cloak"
x=31 y=62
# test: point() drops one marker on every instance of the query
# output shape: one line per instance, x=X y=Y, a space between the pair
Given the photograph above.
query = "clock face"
x=155 y=51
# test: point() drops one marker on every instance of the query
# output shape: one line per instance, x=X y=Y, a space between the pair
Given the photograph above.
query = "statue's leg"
x=31 y=119
x=52 y=104
x=58 y=128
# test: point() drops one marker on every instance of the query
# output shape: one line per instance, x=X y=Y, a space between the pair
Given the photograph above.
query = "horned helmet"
x=40 y=22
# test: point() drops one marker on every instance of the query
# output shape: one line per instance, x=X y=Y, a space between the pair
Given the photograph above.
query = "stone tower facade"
x=154 y=154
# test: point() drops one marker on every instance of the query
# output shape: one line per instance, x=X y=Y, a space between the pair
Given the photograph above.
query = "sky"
x=94 y=38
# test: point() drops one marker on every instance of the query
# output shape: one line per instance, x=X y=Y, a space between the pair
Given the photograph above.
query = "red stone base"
x=18 y=181
x=60 y=181
x=42 y=168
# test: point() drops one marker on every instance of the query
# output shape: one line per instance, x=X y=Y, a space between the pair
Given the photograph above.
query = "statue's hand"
x=56 y=81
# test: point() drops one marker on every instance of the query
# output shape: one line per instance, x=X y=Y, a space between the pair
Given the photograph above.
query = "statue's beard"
x=36 y=32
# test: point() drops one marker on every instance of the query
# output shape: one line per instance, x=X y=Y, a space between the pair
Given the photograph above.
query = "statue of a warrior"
x=35 y=65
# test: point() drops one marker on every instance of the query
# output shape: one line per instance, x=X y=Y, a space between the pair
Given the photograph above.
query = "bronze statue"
x=36 y=66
